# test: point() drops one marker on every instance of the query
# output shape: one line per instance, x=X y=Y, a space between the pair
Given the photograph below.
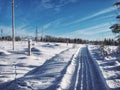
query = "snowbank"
x=18 y=61
x=109 y=66
x=67 y=79
x=3 y=52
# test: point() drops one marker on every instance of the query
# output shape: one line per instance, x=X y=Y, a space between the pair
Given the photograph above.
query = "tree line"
x=9 y=38
x=48 y=38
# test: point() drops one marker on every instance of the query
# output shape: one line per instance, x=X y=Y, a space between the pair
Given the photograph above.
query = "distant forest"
x=62 y=40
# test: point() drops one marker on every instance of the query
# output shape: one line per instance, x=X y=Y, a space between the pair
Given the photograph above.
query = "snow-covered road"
x=86 y=75
x=89 y=77
x=67 y=69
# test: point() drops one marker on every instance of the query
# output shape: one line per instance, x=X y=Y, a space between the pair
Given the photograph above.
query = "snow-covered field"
x=16 y=64
x=57 y=66
x=109 y=66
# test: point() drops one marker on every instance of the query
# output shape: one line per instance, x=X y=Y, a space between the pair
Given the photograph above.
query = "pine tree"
x=116 y=27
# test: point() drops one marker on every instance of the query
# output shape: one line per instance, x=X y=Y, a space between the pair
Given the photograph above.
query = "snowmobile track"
x=87 y=74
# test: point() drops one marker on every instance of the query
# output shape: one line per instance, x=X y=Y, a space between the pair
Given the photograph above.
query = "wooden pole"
x=13 y=32
x=42 y=35
x=1 y=33
x=29 y=47
x=36 y=34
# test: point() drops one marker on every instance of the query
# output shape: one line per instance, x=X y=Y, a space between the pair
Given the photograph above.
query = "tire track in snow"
x=82 y=73
x=94 y=78
x=90 y=72
x=86 y=74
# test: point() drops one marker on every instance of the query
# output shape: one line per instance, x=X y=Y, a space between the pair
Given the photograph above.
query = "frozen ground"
x=56 y=66
x=18 y=61
x=83 y=74
x=109 y=66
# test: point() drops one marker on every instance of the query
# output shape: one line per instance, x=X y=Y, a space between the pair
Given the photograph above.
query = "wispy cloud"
x=28 y=30
x=6 y=30
x=93 y=29
x=53 y=24
x=19 y=31
x=90 y=31
x=56 y=4
x=107 y=10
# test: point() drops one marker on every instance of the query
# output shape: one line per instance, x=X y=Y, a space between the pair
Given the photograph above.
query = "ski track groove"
x=77 y=77
x=89 y=67
x=87 y=76
x=82 y=76
x=87 y=83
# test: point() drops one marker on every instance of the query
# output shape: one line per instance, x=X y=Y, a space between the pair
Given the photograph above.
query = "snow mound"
x=18 y=52
x=118 y=50
x=34 y=49
x=50 y=45
x=3 y=63
x=56 y=44
x=3 y=52
x=110 y=66
x=19 y=85
x=67 y=78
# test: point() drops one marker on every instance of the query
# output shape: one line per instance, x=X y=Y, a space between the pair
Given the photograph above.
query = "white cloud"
x=47 y=4
x=6 y=30
x=107 y=10
x=56 y=4
x=19 y=31
x=53 y=24
x=90 y=31
x=28 y=30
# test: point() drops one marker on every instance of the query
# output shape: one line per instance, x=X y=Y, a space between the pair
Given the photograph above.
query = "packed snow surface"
x=109 y=66
x=58 y=66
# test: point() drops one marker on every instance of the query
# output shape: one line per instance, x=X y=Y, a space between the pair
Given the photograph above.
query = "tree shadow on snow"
x=38 y=73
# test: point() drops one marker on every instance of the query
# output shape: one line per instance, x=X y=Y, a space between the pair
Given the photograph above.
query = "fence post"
x=29 y=47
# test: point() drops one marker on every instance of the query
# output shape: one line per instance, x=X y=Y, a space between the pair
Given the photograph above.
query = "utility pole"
x=1 y=33
x=42 y=35
x=29 y=47
x=36 y=38
x=13 y=32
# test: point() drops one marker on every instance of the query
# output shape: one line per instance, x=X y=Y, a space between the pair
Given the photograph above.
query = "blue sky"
x=86 y=19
